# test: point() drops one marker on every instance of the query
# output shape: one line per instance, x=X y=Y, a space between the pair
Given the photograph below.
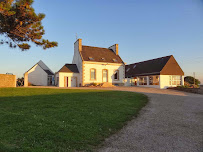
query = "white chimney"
x=114 y=48
x=78 y=45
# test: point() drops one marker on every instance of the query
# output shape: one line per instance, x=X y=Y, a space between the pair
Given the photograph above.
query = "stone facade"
x=7 y=80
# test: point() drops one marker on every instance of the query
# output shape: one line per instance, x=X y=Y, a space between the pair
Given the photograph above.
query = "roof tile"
x=150 y=67
x=99 y=55
x=69 y=68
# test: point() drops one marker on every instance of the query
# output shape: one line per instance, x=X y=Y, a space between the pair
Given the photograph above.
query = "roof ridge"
x=151 y=59
x=96 y=47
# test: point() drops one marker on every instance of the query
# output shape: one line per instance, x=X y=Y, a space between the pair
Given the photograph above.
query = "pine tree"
x=20 y=25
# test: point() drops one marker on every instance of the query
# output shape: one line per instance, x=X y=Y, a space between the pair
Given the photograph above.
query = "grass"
x=62 y=120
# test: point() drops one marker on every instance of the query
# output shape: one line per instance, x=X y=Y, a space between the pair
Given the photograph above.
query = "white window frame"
x=117 y=75
x=143 y=80
x=175 y=80
x=152 y=82
x=94 y=74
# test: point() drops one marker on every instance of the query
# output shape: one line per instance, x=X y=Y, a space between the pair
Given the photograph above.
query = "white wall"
x=128 y=81
x=77 y=60
x=99 y=66
x=37 y=76
x=165 y=79
x=44 y=66
x=62 y=79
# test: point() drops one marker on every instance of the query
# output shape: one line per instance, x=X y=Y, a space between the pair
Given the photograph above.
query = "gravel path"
x=171 y=122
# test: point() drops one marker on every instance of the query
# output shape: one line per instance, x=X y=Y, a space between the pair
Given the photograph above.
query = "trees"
x=190 y=80
x=20 y=25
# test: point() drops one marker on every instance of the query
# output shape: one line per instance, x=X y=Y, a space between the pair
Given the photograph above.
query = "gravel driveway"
x=171 y=122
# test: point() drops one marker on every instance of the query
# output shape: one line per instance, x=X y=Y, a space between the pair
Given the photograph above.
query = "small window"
x=115 y=60
x=134 y=66
x=142 y=80
x=154 y=80
x=116 y=75
x=127 y=69
x=92 y=74
x=91 y=58
x=103 y=59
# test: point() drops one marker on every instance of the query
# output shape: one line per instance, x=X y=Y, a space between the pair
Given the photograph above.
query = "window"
x=115 y=60
x=49 y=80
x=142 y=80
x=175 y=80
x=127 y=69
x=92 y=74
x=103 y=59
x=116 y=75
x=91 y=58
x=154 y=80
x=134 y=66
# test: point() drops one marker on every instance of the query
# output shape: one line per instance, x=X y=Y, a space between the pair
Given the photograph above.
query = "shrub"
x=94 y=84
x=190 y=80
x=183 y=86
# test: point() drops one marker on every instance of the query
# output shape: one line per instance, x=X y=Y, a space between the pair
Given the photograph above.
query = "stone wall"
x=7 y=80
x=191 y=90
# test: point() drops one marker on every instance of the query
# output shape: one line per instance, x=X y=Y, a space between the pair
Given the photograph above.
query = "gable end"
x=172 y=68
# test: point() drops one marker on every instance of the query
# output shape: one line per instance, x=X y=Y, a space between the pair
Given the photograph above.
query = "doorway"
x=105 y=75
x=66 y=81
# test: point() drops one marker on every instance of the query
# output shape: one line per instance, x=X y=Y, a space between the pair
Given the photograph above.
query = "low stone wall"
x=191 y=90
x=7 y=80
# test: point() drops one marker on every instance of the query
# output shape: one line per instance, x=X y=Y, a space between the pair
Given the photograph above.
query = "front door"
x=67 y=81
x=49 y=80
x=105 y=75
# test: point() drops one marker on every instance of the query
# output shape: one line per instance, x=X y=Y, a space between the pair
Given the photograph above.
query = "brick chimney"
x=78 y=45
x=114 y=48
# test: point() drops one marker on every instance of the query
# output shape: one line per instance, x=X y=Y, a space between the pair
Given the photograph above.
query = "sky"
x=144 y=29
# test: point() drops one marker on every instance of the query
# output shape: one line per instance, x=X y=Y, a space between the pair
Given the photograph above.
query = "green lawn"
x=39 y=120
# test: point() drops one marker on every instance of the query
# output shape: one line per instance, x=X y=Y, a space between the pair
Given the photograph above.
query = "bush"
x=183 y=86
x=190 y=80
x=94 y=84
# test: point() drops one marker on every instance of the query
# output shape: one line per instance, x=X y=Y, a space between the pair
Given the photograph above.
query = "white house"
x=40 y=75
x=160 y=73
x=104 y=65
x=92 y=65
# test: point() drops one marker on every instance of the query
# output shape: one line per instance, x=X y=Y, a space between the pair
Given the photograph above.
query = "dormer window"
x=115 y=60
x=127 y=69
x=134 y=66
x=103 y=59
x=91 y=58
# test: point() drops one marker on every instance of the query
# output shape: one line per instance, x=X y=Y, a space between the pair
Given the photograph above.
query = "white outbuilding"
x=40 y=75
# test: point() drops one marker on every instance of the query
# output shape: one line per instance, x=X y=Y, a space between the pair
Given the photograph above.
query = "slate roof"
x=69 y=68
x=149 y=67
x=48 y=72
x=99 y=55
